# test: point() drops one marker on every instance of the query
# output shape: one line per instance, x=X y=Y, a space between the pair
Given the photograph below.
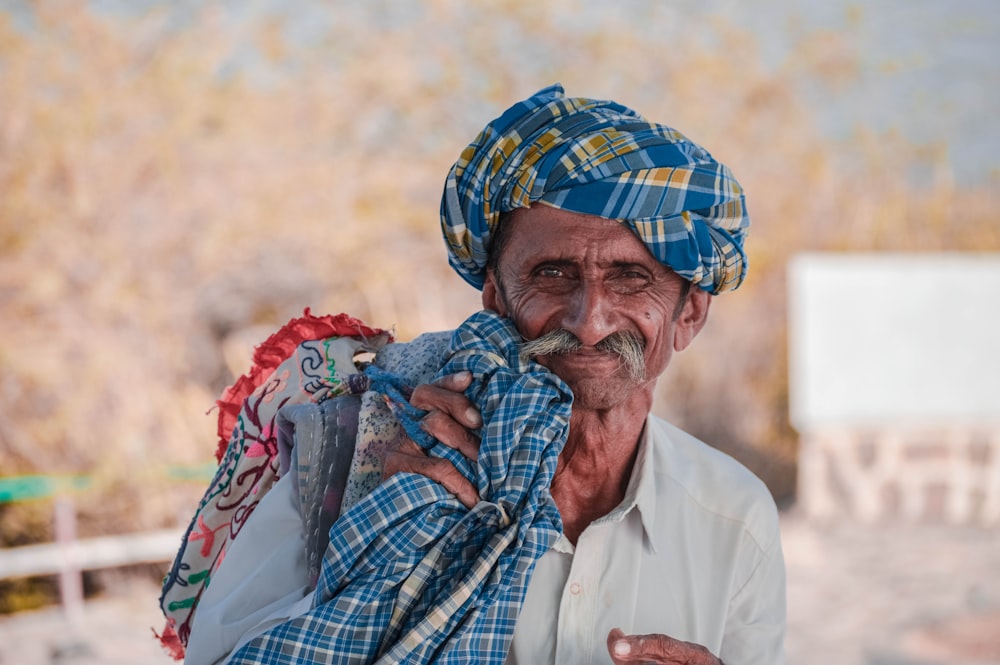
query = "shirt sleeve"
x=755 y=627
x=262 y=581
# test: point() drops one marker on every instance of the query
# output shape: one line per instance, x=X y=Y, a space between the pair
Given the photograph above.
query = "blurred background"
x=177 y=179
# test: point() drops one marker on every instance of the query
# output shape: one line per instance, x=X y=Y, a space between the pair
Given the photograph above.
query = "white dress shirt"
x=693 y=552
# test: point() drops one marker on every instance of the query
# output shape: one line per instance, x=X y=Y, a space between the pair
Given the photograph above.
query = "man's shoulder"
x=713 y=480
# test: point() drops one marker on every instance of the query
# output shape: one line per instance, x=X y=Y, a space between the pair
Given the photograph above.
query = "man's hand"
x=656 y=649
x=450 y=416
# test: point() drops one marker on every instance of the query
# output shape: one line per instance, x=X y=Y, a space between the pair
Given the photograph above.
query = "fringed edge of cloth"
x=275 y=350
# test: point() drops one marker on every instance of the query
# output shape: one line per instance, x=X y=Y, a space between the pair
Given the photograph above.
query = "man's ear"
x=491 y=294
x=692 y=318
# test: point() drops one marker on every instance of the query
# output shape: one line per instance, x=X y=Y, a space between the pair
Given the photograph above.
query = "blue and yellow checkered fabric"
x=598 y=158
x=413 y=576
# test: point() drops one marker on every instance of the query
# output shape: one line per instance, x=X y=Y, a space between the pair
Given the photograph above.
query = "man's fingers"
x=451 y=433
x=406 y=447
x=613 y=636
x=450 y=414
x=446 y=395
x=439 y=470
x=456 y=382
x=657 y=649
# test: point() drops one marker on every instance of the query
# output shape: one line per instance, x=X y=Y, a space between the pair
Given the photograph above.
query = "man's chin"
x=601 y=393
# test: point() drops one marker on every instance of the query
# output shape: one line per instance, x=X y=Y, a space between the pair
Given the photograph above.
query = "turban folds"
x=598 y=158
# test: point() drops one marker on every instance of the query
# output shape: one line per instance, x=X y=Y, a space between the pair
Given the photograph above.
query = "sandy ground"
x=896 y=595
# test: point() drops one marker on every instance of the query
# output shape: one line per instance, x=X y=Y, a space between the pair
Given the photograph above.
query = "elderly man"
x=597 y=239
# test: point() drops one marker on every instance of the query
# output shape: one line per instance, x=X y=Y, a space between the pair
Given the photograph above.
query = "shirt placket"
x=578 y=607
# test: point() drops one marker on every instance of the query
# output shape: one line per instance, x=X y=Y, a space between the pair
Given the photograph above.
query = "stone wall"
x=927 y=474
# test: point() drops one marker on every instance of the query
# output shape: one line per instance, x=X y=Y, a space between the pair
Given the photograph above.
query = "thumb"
x=616 y=643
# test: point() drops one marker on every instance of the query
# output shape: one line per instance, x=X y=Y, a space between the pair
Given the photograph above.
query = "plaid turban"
x=598 y=158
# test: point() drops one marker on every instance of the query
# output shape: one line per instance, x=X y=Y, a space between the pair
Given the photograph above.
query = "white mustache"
x=626 y=345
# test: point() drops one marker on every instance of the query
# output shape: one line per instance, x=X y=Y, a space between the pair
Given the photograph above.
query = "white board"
x=894 y=338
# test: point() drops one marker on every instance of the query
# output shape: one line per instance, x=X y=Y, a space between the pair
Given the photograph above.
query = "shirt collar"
x=641 y=491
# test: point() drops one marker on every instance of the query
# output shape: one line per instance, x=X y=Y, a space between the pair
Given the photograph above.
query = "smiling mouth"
x=585 y=352
x=594 y=361
x=586 y=356
x=623 y=347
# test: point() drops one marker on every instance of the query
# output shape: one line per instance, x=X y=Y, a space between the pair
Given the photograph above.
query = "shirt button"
x=575 y=588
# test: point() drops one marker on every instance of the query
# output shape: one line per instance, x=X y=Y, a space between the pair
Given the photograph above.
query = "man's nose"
x=590 y=314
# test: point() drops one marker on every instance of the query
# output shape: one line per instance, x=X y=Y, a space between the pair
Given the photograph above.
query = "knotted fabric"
x=598 y=158
x=410 y=574
x=308 y=360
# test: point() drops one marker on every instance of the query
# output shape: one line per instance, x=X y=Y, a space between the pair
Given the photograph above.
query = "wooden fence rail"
x=89 y=554
x=69 y=556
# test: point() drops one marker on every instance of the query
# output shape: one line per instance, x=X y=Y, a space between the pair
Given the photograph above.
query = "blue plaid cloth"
x=411 y=575
x=598 y=158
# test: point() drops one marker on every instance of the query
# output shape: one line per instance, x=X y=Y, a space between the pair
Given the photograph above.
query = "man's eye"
x=630 y=281
x=634 y=276
x=550 y=271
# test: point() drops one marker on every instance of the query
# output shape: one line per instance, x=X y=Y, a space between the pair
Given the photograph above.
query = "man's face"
x=593 y=278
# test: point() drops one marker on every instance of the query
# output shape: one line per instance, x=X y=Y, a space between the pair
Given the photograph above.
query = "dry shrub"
x=171 y=180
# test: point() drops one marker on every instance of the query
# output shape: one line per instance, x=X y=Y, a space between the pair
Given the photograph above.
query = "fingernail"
x=472 y=417
x=622 y=648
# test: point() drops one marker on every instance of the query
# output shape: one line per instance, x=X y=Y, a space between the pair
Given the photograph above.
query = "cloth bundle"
x=410 y=574
x=310 y=359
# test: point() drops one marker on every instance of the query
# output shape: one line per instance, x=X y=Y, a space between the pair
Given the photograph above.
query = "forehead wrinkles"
x=605 y=247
